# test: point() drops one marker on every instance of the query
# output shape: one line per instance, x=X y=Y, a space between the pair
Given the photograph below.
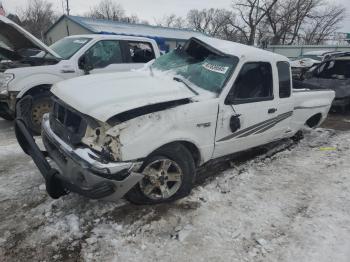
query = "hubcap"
x=39 y=110
x=162 y=179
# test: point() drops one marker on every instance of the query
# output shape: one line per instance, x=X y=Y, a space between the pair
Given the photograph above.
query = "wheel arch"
x=314 y=120
x=190 y=146
x=35 y=90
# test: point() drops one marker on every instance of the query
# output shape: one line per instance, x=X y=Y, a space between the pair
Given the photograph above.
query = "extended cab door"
x=250 y=114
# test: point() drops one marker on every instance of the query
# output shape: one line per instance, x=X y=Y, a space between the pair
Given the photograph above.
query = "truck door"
x=248 y=116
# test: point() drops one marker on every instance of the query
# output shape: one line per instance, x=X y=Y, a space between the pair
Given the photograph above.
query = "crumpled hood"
x=102 y=96
x=303 y=63
x=16 y=38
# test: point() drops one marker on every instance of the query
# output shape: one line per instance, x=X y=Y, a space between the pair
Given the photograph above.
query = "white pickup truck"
x=34 y=67
x=142 y=134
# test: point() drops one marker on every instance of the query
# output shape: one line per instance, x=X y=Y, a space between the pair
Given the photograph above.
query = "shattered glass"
x=210 y=73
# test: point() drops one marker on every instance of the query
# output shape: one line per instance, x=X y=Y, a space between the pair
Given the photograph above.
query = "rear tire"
x=41 y=104
x=169 y=175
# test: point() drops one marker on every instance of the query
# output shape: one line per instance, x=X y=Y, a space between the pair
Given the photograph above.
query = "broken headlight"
x=100 y=140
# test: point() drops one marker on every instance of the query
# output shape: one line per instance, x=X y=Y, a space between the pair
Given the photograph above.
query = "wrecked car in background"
x=31 y=67
x=332 y=74
x=145 y=134
x=309 y=59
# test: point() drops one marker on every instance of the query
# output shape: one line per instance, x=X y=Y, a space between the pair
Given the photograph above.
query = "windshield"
x=209 y=72
x=67 y=47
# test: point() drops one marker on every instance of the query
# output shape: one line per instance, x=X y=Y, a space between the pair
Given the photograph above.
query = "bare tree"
x=251 y=13
x=37 y=17
x=173 y=21
x=323 y=23
x=107 y=9
x=302 y=11
x=210 y=21
x=286 y=18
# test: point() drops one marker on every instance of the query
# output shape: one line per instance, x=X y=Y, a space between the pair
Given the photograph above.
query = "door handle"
x=271 y=110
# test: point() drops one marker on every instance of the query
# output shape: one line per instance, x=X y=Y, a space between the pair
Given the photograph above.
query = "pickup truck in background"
x=206 y=100
x=31 y=67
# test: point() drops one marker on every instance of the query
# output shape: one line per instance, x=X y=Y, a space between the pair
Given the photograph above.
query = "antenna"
x=67 y=8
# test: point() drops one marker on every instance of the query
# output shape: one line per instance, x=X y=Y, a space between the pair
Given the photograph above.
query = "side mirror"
x=235 y=123
x=85 y=65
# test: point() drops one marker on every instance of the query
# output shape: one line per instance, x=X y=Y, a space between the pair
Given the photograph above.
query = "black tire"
x=182 y=157
x=7 y=117
x=41 y=103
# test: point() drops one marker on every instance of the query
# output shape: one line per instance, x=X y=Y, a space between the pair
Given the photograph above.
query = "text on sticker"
x=215 y=68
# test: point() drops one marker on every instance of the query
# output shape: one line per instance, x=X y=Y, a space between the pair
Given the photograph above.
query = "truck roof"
x=239 y=50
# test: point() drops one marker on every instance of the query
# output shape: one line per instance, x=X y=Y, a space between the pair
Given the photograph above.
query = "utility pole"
x=67 y=9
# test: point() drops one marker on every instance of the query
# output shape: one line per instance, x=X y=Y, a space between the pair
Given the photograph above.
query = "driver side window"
x=253 y=84
x=104 y=53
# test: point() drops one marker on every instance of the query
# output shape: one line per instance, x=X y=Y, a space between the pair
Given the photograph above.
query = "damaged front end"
x=80 y=156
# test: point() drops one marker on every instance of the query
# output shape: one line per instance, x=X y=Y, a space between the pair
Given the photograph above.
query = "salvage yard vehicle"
x=149 y=130
x=35 y=67
x=332 y=74
x=310 y=59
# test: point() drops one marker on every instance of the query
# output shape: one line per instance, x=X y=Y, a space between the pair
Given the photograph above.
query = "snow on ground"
x=290 y=204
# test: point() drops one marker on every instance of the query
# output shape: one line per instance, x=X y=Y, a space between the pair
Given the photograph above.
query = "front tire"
x=169 y=175
x=40 y=104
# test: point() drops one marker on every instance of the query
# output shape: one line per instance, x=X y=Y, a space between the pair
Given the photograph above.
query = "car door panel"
x=255 y=103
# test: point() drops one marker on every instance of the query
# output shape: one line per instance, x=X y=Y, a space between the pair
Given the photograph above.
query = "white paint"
x=106 y=95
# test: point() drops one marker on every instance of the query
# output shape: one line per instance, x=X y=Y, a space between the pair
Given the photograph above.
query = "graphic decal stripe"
x=247 y=129
x=269 y=124
x=265 y=129
x=257 y=127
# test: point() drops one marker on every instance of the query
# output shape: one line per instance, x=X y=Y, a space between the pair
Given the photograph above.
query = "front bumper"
x=80 y=169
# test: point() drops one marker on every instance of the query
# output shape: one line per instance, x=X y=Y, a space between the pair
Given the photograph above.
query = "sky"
x=152 y=10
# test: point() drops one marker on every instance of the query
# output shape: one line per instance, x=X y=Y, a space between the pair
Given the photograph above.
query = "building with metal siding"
x=167 y=38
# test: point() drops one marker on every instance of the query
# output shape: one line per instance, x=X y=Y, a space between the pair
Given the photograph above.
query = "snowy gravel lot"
x=289 y=204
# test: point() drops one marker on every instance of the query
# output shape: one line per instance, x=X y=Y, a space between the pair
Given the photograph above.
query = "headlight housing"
x=5 y=79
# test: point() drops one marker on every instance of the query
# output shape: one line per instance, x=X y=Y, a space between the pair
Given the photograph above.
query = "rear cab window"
x=284 y=79
x=140 y=52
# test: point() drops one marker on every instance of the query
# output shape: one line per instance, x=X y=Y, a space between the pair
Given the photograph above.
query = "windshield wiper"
x=186 y=84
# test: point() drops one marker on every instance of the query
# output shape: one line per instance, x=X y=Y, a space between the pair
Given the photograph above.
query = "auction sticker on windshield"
x=216 y=68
